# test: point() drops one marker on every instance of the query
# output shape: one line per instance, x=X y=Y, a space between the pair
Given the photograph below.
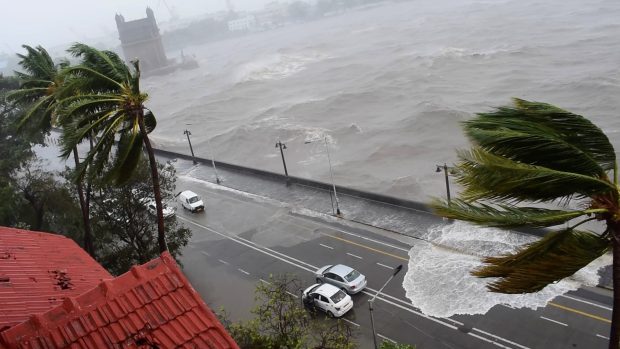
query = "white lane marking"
x=488 y=340
x=557 y=322
x=224 y=262
x=500 y=338
x=354 y=256
x=385 y=266
x=386 y=338
x=267 y=282
x=331 y=248
x=586 y=302
x=341 y=231
x=292 y=294
x=601 y=336
x=205 y=253
x=351 y=322
x=243 y=271
x=381 y=296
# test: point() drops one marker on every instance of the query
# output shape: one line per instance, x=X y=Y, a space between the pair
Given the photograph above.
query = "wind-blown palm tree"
x=537 y=153
x=38 y=93
x=110 y=105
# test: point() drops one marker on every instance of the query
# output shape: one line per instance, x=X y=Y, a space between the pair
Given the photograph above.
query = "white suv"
x=328 y=298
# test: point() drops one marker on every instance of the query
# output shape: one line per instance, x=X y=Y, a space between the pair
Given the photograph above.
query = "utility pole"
x=371 y=301
x=187 y=133
x=282 y=146
x=445 y=171
x=331 y=174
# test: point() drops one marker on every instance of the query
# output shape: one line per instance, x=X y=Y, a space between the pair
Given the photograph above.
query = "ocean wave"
x=276 y=66
x=439 y=283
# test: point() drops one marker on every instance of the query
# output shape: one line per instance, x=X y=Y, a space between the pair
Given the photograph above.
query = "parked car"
x=191 y=201
x=327 y=298
x=167 y=210
x=346 y=278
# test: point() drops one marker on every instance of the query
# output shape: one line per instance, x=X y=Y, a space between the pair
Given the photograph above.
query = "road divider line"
x=601 y=336
x=557 y=322
x=580 y=312
x=351 y=322
x=367 y=247
x=386 y=338
x=243 y=271
x=205 y=253
x=385 y=266
x=264 y=281
x=586 y=302
x=224 y=262
x=354 y=256
x=331 y=248
x=500 y=338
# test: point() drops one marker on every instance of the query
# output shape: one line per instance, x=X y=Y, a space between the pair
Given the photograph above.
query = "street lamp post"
x=370 y=302
x=187 y=133
x=282 y=146
x=217 y=178
x=445 y=171
x=331 y=174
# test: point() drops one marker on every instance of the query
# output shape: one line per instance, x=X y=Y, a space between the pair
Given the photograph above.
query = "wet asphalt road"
x=239 y=241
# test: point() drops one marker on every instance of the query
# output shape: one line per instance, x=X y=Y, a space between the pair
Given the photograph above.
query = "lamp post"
x=370 y=302
x=282 y=146
x=331 y=174
x=445 y=171
x=217 y=178
x=187 y=133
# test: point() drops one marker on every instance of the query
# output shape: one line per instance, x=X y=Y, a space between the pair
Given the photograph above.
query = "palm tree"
x=109 y=105
x=39 y=91
x=531 y=153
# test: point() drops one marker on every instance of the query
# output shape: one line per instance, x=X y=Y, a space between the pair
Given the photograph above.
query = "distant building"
x=246 y=23
x=140 y=39
x=273 y=14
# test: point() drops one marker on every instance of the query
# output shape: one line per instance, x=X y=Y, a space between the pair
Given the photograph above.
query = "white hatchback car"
x=167 y=210
x=328 y=298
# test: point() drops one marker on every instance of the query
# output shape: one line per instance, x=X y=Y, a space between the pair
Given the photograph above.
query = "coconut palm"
x=110 y=105
x=38 y=93
x=532 y=153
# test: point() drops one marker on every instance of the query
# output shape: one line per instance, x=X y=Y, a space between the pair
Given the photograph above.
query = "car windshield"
x=193 y=199
x=354 y=274
x=338 y=296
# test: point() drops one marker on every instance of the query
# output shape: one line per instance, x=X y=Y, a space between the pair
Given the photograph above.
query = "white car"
x=346 y=278
x=191 y=201
x=167 y=210
x=328 y=298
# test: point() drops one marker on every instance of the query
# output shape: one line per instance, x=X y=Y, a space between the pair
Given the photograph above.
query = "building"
x=53 y=295
x=246 y=23
x=140 y=39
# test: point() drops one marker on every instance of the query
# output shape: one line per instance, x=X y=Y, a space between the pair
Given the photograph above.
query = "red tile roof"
x=152 y=304
x=39 y=270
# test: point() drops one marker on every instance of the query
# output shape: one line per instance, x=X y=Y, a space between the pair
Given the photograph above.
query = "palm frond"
x=556 y=256
x=487 y=176
x=149 y=121
x=506 y=216
x=128 y=155
x=543 y=135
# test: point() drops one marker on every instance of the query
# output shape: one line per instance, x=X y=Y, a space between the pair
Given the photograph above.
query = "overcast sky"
x=54 y=22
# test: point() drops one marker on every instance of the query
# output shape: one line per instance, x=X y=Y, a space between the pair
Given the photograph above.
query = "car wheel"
x=330 y=314
x=319 y=281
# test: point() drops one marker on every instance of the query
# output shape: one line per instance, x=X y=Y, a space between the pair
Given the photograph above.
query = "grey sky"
x=50 y=23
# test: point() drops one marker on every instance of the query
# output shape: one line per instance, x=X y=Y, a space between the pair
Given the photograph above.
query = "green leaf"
x=556 y=256
x=488 y=176
x=505 y=216
x=544 y=135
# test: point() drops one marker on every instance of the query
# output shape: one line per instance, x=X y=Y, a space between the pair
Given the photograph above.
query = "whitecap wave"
x=276 y=66
x=439 y=282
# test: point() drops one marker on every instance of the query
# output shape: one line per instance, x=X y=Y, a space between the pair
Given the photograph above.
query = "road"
x=240 y=240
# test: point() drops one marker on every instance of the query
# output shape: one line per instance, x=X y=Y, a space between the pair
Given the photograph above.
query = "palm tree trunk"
x=614 y=335
x=161 y=236
x=88 y=237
